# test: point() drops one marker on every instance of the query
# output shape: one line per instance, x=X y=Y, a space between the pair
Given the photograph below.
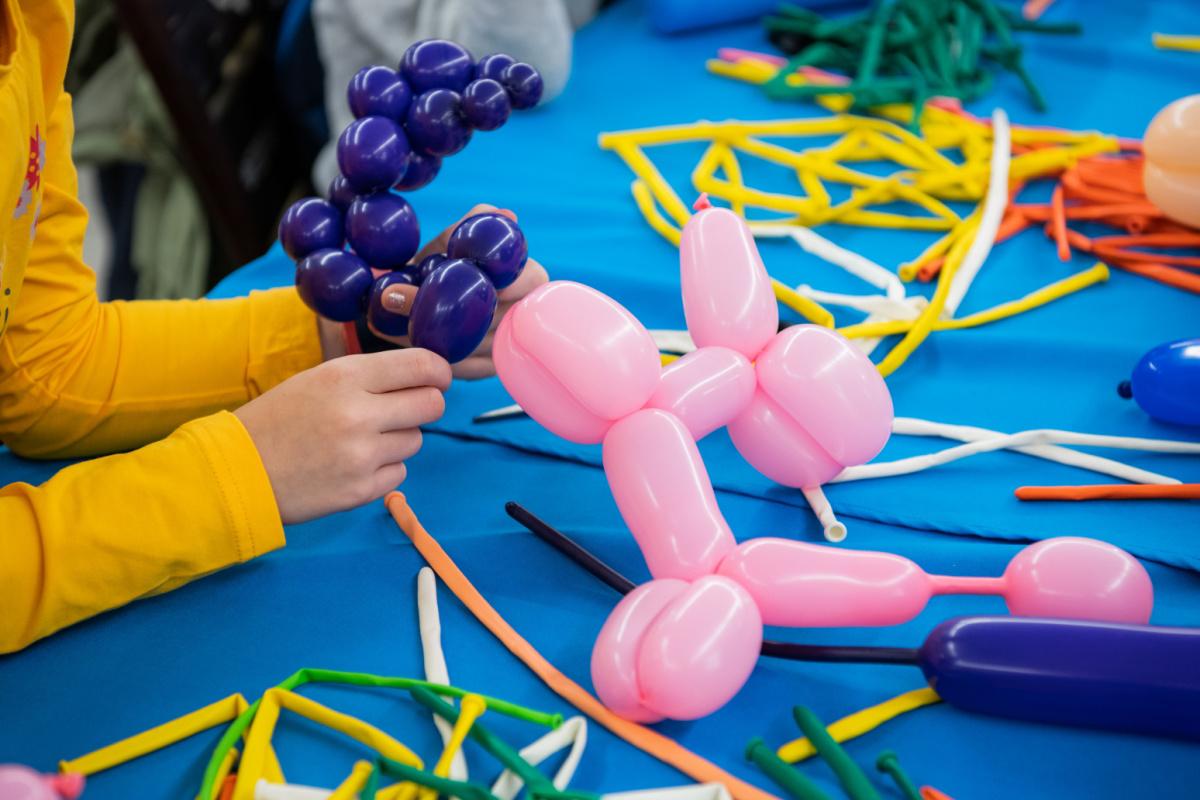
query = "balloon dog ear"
x=820 y=406
x=727 y=296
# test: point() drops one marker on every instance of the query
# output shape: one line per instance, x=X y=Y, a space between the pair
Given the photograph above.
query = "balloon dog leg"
x=676 y=649
x=665 y=496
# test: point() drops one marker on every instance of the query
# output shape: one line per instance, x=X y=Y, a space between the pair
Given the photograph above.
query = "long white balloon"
x=435 y=660
x=994 y=204
x=1044 y=443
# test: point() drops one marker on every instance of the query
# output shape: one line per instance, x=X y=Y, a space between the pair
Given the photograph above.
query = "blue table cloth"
x=341 y=595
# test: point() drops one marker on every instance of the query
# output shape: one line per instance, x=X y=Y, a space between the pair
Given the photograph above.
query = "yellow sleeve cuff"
x=105 y=532
x=283 y=338
x=240 y=479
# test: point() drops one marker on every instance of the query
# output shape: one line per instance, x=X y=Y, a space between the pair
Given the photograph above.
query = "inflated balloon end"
x=1166 y=382
x=1172 y=172
x=22 y=783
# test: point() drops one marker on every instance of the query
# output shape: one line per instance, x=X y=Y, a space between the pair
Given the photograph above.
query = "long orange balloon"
x=1172 y=276
x=1115 y=491
x=664 y=749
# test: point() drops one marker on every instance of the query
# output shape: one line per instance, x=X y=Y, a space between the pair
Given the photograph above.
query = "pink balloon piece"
x=807 y=585
x=21 y=783
x=676 y=649
x=662 y=489
x=1172 y=171
x=800 y=406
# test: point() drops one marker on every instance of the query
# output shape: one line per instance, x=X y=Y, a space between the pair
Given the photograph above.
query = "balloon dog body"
x=800 y=406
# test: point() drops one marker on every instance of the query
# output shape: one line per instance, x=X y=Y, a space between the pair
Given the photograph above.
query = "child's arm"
x=79 y=377
x=102 y=533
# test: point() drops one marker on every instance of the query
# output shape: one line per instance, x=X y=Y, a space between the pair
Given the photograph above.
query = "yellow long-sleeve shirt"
x=79 y=377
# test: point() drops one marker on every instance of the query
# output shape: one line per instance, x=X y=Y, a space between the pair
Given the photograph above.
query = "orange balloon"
x=1172 y=148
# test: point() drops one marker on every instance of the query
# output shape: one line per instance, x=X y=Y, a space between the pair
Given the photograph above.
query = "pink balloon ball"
x=1172 y=149
x=676 y=649
x=21 y=783
x=615 y=655
x=700 y=650
x=1078 y=578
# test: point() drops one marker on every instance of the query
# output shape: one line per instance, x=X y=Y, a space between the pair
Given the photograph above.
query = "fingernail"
x=394 y=299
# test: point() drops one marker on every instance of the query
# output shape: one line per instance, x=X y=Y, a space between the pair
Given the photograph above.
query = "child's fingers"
x=438 y=245
x=392 y=370
x=398 y=298
x=388 y=477
x=407 y=408
x=395 y=447
x=533 y=276
x=474 y=368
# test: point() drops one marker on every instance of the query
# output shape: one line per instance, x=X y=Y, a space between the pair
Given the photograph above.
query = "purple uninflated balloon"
x=372 y=153
x=308 y=225
x=435 y=123
x=385 y=322
x=494 y=242
x=382 y=228
x=453 y=310
x=422 y=168
x=334 y=284
x=341 y=193
x=493 y=66
x=485 y=104
x=437 y=64
x=378 y=91
x=524 y=84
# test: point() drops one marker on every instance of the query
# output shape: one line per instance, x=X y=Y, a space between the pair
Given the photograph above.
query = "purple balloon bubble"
x=437 y=64
x=382 y=228
x=494 y=242
x=435 y=123
x=385 y=322
x=453 y=310
x=485 y=104
x=524 y=85
x=493 y=66
x=310 y=224
x=428 y=264
x=372 y=153
x=378 y=91
x=341 y=193
x=422 y=168
x=334 y=284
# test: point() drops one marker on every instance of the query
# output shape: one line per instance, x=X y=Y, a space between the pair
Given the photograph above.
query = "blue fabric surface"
x=341 y=594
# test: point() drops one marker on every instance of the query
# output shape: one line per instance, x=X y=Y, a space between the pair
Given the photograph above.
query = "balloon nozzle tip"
x=1125 y=389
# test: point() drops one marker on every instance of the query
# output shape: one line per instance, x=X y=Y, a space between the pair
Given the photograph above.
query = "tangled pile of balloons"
x=406 y=122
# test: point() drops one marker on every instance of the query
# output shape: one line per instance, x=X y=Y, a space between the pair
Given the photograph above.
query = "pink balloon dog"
x=22 y=783
x=800 y=406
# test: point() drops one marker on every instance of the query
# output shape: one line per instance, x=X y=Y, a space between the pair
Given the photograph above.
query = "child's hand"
x=336 y=436
x=478 y=364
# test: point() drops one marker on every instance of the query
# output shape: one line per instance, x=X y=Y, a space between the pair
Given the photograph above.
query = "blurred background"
x=198 y=121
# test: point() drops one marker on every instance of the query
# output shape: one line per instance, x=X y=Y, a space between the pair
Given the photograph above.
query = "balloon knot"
x=701 y=202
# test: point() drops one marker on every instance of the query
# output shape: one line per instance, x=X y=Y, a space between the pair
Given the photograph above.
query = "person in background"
x=229 y=418
x=352 y=34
